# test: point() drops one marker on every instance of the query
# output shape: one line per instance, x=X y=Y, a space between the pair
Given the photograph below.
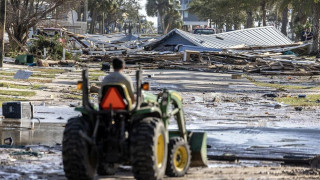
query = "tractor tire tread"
x=143 y=149
x=173 y=144
x=73 y=151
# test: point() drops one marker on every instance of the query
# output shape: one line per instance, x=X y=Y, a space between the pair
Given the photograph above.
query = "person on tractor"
x=119 y=77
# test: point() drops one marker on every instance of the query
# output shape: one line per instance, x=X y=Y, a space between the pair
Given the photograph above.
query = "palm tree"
x=157 y=7
x=98 y=8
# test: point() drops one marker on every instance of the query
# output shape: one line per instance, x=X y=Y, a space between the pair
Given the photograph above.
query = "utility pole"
x=3 y=4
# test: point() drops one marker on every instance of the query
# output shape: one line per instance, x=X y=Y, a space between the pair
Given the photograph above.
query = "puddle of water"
x=47 y=129
x=45 y=133
x=59 y=114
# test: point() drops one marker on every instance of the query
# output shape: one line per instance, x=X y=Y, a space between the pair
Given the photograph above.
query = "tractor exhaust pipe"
x=139 y=92
x=85 y=90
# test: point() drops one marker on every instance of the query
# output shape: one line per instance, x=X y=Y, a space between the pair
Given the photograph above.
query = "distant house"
x=74 y=21
x=176 y=40
x=190 y=21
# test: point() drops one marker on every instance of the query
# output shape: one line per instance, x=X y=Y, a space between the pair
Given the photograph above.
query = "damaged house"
x=178 y=40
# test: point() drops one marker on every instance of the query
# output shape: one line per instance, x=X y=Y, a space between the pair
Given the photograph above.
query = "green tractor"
x=114 y=133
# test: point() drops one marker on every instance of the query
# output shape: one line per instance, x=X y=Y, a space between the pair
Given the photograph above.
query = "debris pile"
x=266 y=63
x=233 y=52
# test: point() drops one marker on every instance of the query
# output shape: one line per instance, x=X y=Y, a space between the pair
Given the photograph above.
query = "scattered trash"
x=24 y=59
x=105 y=67
x=23 y=74
x=74 y=105
x=236 y=76
x=277 y=106
x=270 y=95
x=17 y=110
x=8 y=141
x=302 y=96
x=27 y=153
x=94 y=89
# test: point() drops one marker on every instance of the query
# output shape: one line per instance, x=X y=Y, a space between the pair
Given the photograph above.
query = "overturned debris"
x=313 y=162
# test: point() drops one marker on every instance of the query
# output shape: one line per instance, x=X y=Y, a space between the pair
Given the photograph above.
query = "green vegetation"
x=8 y=99
x=18 y=86
x=53 y=45
x=71 y=96
x=280 y=86
x=39 y=80
x=17 y=93
x=6 y=78
x=24 y=15
x=310 y=100
x=50 y=75
x=95 y=70
x=49 y=71
x=168 y=13
x=28 y=80
x=233 y=14
x=120 y=11
x=4 y=73
x=95 y=77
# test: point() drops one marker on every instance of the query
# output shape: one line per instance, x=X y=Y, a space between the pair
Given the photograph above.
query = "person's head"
x=118 y=64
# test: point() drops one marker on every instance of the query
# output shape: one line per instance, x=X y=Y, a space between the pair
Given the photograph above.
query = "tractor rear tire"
x=79 y=158
x=179 y=157
x=149 y=149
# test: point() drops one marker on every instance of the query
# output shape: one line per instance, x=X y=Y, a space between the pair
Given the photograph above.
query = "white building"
x=190 y=21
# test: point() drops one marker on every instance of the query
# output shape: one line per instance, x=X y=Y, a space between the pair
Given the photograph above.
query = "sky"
x=143 y=11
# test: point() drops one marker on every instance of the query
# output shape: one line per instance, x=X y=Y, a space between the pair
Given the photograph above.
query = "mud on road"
x=237 y=115
x=46 y=163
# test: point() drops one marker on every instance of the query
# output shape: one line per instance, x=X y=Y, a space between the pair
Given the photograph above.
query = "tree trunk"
x=130 y=29
x=162 y=24
x=85 y=12
x=264 y=13
x=100 y=27
x=249 y=19
x=236 y=26
x=316 y=28
x=79 y=12
x=228 y=27
x=284 y=21
x=102 y=24
x=3 y=5
x=93 y=23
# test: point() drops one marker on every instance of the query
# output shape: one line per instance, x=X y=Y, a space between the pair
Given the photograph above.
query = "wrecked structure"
x=178 y=40
x=226 y=103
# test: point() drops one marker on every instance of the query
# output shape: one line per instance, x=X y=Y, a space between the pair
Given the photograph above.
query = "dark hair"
x=118 y=63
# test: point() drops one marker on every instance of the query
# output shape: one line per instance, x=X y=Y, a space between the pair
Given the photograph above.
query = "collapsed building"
x=178 y=40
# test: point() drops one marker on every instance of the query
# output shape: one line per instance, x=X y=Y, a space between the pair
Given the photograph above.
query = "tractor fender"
x=81 y=110
x=146 y=112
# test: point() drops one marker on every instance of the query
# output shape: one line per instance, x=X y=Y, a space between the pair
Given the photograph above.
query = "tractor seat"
x=115 y=95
